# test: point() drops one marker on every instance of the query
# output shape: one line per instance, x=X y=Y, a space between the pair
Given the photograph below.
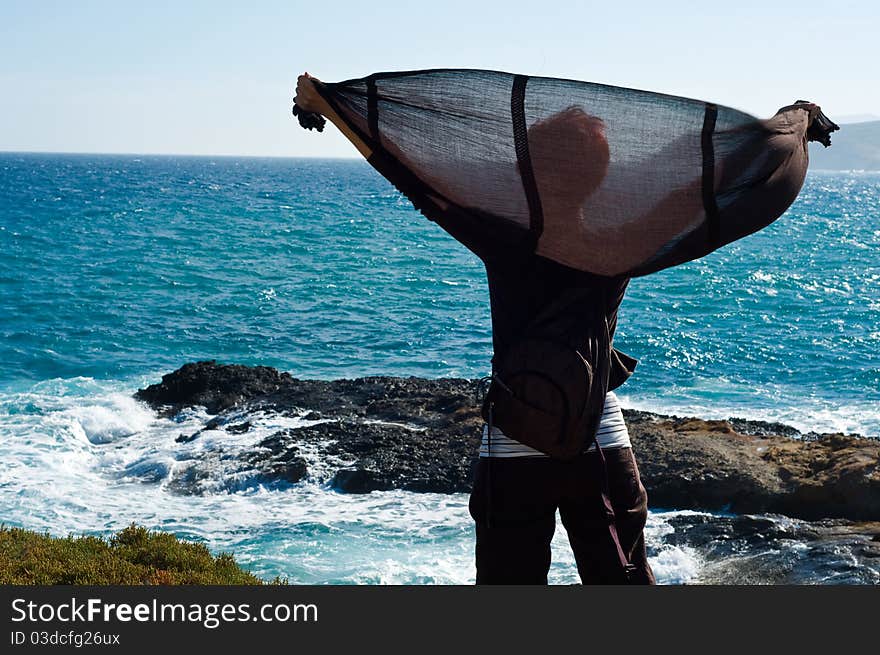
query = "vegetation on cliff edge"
x=133 y=556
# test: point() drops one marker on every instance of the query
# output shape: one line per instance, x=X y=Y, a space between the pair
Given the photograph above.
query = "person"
x=517 y=490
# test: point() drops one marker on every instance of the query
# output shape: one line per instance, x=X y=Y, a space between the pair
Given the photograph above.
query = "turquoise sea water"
x=117 y=269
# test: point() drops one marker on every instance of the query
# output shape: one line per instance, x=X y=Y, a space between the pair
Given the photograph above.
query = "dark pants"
x=514 y=503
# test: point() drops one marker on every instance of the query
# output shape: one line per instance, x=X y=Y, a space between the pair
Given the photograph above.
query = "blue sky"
x=217 y=77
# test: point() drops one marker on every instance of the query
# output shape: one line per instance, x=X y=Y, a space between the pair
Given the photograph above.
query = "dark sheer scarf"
x=602 y=179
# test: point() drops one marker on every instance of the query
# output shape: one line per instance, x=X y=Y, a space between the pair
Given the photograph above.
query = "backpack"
x=548 y=389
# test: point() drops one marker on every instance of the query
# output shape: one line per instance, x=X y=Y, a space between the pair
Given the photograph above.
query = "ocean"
x=117 y=269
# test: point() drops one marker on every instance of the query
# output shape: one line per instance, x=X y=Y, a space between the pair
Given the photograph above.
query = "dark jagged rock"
x=421 y=435
x=276 y=458
x=398 y=457
x=748 y=549
x=216 y=386
x=446 y=403
x=762 y=428
x=216 y=423
x=374 y=456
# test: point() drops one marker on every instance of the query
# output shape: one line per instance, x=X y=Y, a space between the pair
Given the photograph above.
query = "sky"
x=217 y=78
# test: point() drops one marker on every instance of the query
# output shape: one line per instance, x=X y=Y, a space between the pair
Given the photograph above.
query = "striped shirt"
x=612 y=433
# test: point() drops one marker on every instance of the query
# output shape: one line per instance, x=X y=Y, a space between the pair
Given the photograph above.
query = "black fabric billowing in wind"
x=602 y=179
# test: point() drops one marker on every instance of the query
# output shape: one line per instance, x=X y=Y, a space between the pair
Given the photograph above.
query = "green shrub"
x=134 y=555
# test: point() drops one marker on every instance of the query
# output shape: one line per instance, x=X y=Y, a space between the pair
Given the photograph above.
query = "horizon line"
x=171 y=154
x=71 y=153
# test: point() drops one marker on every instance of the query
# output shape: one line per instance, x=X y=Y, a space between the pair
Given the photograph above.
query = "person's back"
x=517 y=489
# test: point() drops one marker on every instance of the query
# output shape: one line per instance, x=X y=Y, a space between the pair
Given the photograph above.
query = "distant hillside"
x=855 y=146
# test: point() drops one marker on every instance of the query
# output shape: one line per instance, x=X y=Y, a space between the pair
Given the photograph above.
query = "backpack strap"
x=627 y=568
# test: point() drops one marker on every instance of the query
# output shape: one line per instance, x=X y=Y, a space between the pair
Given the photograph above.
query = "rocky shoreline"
x=420 y=435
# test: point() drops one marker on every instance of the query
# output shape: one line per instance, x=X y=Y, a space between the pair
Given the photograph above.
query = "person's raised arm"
x=308 y=99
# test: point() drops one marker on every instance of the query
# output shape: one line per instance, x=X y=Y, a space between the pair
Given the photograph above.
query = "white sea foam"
x=672 y=564
x=807 y=415
x=761 y=276
x=119 y=416
x=84 y=457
